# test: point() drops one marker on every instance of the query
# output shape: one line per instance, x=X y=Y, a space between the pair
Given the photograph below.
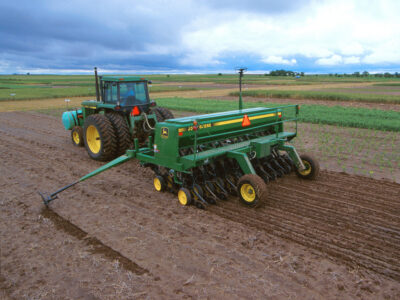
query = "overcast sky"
x=73 y=36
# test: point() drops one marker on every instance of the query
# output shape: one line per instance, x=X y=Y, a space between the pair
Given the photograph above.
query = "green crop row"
x=319 y=114
x=318 y=95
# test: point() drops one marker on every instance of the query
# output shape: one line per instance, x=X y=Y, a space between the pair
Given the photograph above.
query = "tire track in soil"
x=95 y=245
x=370 y=241
x=347 y=218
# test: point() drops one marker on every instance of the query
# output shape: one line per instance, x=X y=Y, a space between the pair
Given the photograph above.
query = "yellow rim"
x=182 y=197
x=307 y=170
x=247 y=192
x=195 y=189
x=157 y=184
x=75 y=137
x=93 y=139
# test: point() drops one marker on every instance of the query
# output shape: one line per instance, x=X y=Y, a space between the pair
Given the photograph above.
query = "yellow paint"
x=228 y=122
x=75 y=137
x=247 y=192
x=93 y=139
x=307 y=170
x=182 y=197
x=262 y=116
x=157 y=184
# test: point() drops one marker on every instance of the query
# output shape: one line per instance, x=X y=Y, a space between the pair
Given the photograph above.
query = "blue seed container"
x=70 y=119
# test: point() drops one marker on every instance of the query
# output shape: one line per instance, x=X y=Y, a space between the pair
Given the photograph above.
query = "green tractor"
x=121 y=112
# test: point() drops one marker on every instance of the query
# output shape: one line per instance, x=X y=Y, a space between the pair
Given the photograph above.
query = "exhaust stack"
x=97 y=85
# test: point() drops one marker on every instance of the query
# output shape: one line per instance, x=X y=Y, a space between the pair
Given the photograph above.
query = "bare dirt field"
x=114 y=237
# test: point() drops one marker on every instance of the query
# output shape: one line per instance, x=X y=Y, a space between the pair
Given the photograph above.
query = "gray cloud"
x=171 y=35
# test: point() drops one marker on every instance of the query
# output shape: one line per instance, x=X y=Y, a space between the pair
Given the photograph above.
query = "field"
x=114 y=237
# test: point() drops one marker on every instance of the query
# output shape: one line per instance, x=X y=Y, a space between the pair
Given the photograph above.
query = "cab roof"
x=122 y=78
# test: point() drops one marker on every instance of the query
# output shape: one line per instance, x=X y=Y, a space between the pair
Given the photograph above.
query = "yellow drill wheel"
x=251 y=190
x=311 y=165
x=159 y=183
x=248 y=193
x=184 y=196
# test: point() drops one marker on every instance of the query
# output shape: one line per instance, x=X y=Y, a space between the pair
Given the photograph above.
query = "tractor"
x=122 y=111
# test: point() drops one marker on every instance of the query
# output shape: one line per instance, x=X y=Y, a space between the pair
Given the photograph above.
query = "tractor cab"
x=126 y=92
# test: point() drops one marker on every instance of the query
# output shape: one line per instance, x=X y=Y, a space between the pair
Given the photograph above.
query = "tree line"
x=355 y=74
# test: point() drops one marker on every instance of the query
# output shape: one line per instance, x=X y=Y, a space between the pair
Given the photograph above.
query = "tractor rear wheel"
x=124 y=139
x=312 y=167
x=77 y=136
x=162 y=114
x=166 y=113
x=251 y=189
x=100 y=138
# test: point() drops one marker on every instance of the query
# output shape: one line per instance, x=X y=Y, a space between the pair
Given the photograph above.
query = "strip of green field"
x=25 y=93
x=387 y=84
x=30 y=92
x=318 y=95
x=333 y=115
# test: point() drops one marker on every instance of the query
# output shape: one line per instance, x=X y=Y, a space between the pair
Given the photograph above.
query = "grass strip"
x=318 y=114
x=317 y=95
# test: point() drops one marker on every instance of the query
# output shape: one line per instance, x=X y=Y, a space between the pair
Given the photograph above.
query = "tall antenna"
x=240 y=70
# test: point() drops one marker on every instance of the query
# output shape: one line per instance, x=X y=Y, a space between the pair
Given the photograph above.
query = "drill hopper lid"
x=233 y=114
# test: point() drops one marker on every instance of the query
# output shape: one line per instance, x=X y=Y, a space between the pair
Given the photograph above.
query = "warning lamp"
x=135 y=111
x=121 y=79
x=194 y=125
x=246 y=121
x=279 y=114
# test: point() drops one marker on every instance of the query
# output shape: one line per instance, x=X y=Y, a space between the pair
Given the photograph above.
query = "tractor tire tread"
x=107 y=135
x=124 y=138
x=166 y=113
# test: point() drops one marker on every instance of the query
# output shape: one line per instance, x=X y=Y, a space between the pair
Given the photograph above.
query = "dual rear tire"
x=100 y=137
x=104 y=136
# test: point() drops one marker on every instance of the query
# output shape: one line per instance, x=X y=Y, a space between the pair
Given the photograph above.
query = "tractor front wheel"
x=251 y=189
x=77 y=136
x=312 y=167
x=100 y=138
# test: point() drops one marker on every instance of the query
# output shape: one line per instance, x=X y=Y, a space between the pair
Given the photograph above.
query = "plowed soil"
x=114 y=237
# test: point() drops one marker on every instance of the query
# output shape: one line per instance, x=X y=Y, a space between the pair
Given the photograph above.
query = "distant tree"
x=219 y=74
x=356 y=74
x=387 y=75
x=301 y=73
x=365 y=74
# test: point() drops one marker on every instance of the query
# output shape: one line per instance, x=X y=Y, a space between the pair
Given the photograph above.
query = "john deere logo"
x=164 y=132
